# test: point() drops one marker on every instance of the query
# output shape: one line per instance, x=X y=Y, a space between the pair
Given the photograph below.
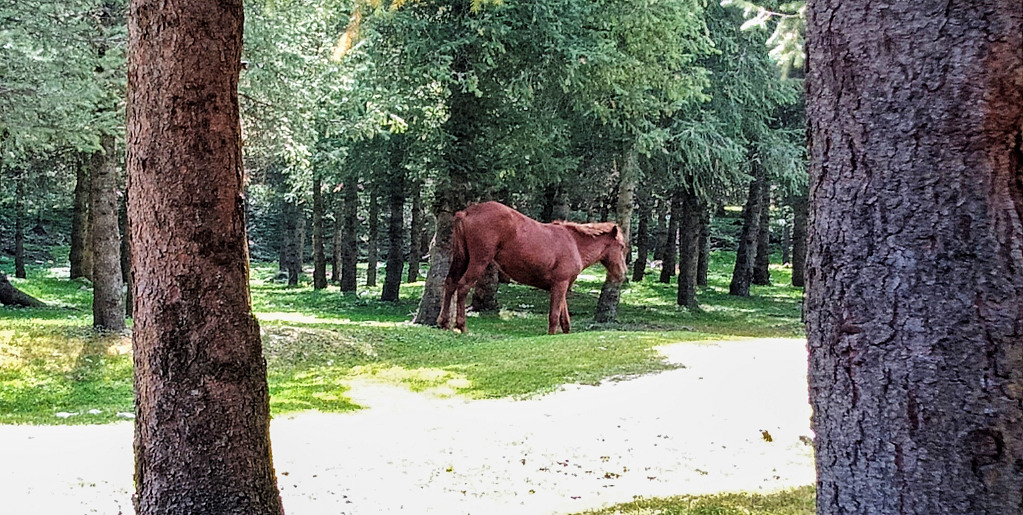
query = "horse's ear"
x=614 y=231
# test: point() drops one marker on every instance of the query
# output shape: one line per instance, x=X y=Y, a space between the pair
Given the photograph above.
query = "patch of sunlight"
x=586 y=277
x=444 y=383
x=300 y=318
x=58 y=272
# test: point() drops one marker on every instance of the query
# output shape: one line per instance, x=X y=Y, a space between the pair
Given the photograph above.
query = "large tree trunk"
x=11 y=296
x=373 y=238
x=915 y=268
x=202 y=406
x=671 y=239
x=689 y=250
x=642 y=236
x=762 y=263
x=611 y=291
x=703 y=262
x=462 y=127
x=107 y=283
x=395 y=223
x=81 y=240
x=742 y=273
x=19 y=226
x=484 y=294
x=415 y=254
x=799 y=222
x=350 y=237
x=319 y=253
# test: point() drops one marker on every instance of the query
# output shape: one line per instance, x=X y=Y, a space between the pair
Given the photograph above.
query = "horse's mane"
x=590 y=229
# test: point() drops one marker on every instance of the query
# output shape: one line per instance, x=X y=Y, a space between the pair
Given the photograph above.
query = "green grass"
x=316 y=342
x=799 y=501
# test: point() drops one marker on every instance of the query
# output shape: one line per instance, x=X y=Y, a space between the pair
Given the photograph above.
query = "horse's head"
x=613 y=257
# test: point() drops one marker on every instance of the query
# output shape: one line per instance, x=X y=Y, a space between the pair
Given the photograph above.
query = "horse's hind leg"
x=444 y=319
x=472 y=274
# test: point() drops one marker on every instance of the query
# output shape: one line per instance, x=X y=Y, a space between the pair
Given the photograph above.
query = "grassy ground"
x=55 y=370
x=794 y=502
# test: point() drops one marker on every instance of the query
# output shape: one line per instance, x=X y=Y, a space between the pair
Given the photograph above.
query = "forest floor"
x=733 y=417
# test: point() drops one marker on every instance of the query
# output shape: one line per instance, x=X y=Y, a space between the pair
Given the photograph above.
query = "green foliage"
x=317 y=342
x=799 y=501
x=789 y=19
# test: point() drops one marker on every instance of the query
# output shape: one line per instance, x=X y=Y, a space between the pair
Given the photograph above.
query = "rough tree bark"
x=319 y=253
x=202 y=406
x=81 y=250
x=670 y=259
x=373 y=238
x=800 y=212
x=611 y=291
x=395 y=223
x=661 y=210
x=762 y=262
x=742 y=273
x=291 y=260
x=688 y=250
x=915 y=265
x=107 y=282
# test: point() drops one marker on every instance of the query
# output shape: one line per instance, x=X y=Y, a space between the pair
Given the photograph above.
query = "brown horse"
x=546 y=256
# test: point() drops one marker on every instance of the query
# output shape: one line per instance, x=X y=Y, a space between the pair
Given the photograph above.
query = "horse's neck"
x=590 y=248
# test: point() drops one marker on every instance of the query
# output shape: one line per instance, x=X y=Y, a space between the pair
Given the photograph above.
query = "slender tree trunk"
x=914 y=275
x=11 y=296
x=107 y=282
x=703 y=262
x=202 y=405
x=126 y=275
x=661 y=210
x=395 y=224
x=742 y=274
x=19 y=226
x=349 y=238
x=415 y=233
x=81 y=251
x=786 y=244
x=319 y=253
x=669 y=262
x=291 y=262
x=642 y=236
x=689 y=250
x=611 y=291
x=799 y=222
x=335 y=252
x=373 y=239
x=762 y=262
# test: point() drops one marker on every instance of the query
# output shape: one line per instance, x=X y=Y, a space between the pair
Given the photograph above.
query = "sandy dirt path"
x=699 y=429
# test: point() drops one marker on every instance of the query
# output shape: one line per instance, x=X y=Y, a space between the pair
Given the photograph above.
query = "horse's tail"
x=459 y=248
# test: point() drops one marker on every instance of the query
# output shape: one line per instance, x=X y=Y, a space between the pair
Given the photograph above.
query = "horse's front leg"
x=559 y=307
